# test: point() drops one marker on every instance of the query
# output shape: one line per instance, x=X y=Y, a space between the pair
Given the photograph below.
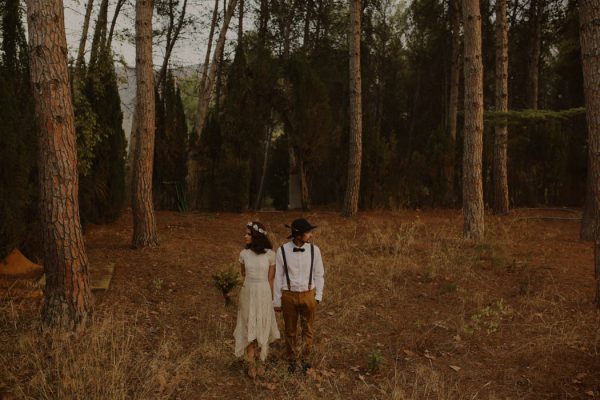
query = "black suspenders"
x=285 y=267
x=312 y=261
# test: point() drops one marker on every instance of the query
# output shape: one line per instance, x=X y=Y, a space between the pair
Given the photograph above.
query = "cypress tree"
x=102 y=193
x=170 y=151
x=18 y=144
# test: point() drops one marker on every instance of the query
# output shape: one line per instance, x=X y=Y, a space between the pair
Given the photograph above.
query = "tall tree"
x=144 y=222
x=204 y=95
x=83 y=39
x=453 y=96
x=355 y=111
x=173 y=31
x=118 y=7
x=99 y=38
x=205 y=92
x=67 y=294
x=473 y=131
x=500 y=172
x=589 y=22
x=192 y=163
x=536 y=10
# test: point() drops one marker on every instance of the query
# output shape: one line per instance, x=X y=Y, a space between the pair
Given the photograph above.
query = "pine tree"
x=67 y=293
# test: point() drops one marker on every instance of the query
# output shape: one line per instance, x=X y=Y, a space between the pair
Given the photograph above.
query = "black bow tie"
x=298 y=249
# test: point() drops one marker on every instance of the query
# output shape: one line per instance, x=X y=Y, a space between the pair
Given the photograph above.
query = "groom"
x=298 y=288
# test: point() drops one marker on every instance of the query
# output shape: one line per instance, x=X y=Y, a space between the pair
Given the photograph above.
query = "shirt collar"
x=293 y=245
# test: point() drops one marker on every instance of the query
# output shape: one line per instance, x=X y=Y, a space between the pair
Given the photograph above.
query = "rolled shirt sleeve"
x=278 y=279
x=319 y=275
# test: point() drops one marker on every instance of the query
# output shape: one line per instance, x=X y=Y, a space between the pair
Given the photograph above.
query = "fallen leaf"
x=268 y=385
x=580 y=375
x=330 y=313
x=429 y=356
x=361 y=377
x=355 y=369
x=409 y=353
x=590 y=393
x=455 y=367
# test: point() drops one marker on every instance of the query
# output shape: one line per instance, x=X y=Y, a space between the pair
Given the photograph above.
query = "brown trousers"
x=294 y=305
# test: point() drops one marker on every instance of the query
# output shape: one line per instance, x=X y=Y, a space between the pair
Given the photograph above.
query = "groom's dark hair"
x=260 y=242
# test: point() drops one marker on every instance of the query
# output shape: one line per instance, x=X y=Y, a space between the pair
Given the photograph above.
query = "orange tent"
x=16 y=264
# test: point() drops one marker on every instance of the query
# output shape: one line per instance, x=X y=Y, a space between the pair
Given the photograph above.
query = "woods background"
x=278 y=115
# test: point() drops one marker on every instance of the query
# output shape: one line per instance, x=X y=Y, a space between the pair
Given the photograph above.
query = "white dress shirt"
x=298 y=263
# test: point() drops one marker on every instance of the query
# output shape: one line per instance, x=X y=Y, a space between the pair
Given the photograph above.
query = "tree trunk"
x=589 y=22
x=68 y=297
x=309 y=7
x=193 y=165
x=294 y=182
x=174 y=31
x=113 y=23
x=241 y=22
x=144 y=223
x=83 y=40
x=453 y=99
x=590 y=210
x=263 y=22
x=263 y=175
x=99 y=32
x=473 y=131
x=500 y=174
x=206 y=90
x=533 y=67
x=355 y=112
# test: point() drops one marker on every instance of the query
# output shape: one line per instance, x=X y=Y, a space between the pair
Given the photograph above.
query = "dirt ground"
x=410 y=310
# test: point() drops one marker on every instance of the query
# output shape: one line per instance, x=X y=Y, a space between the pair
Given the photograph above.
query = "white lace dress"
x=256 y=317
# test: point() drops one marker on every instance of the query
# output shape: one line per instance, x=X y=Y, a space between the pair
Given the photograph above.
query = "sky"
x=189 y=50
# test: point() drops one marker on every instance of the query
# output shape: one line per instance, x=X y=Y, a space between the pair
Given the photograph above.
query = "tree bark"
x=144 y=223
x=500 y=170
x=68 y=298
x=589 y=22
x=533 y=67
x=473 y=131
x=453 y=98
x=83 y=40
x=355 y=112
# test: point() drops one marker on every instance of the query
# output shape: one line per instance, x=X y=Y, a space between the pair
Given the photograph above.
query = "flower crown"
x=256 y=228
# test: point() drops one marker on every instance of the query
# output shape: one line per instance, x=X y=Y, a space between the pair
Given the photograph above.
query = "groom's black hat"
x=299 y=227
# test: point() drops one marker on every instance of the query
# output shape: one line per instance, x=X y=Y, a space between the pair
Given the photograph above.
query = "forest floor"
x=410 y=311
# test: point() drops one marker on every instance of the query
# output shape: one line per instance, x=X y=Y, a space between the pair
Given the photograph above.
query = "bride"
x=256 y=324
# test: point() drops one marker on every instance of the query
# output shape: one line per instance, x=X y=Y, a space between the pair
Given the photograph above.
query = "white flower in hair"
x=256 y=228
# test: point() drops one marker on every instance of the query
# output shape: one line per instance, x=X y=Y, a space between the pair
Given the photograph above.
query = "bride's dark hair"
x=260 y=242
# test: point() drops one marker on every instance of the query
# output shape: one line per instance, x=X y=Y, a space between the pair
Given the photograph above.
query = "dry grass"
x=411 y=311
